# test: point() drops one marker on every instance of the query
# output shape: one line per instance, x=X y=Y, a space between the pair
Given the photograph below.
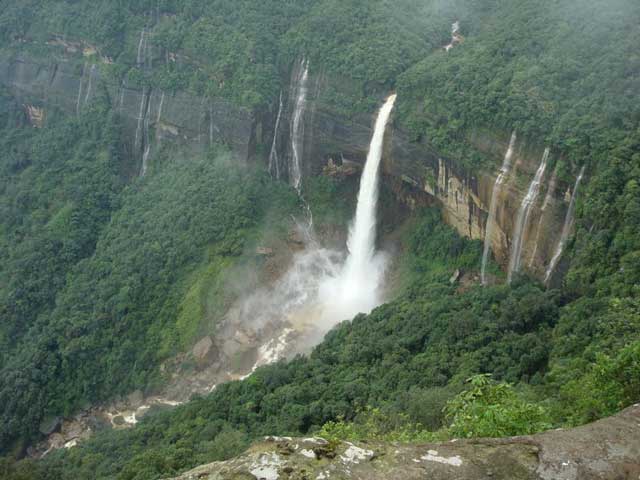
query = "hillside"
x=179 y=178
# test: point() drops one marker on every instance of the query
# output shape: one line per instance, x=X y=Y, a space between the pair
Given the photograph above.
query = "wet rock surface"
x=333 y=145
x=605 y=450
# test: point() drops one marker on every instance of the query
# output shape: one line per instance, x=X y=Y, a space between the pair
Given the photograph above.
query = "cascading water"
x=493 y=206
x=274 y=167
x=566 y=230
x=321 y=288
x=92 y=72
x=455 y=36
x=141 y=48
x=515 y=261
x=357 y=288
x=147 y=148
x=297 y=126
x=141 y=115
x=545 y=205
x=84 y=68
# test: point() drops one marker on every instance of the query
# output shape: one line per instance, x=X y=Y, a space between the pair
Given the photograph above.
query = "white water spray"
x=297 y=126
x=515 y=262
x=566 y=230
x=274 y=167
x=321 y=288
x=357 y=289
x=493 y=206
x=455 y=36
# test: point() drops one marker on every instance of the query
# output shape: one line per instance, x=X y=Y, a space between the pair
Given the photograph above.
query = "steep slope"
x=100 y=260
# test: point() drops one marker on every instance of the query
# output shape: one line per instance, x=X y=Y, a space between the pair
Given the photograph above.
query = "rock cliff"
x=605 y=450
x=152 y=116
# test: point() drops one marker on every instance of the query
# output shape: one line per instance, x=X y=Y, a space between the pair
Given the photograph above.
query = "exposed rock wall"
x=464 y=196
x=179 y=117
x=152 y=116
x=606 y=450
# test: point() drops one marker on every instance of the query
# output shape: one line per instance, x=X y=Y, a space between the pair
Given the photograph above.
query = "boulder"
x=204 y=352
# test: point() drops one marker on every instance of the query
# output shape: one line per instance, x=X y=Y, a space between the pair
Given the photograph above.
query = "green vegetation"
x=102 y=281
x=561 y=74
x=103 y=277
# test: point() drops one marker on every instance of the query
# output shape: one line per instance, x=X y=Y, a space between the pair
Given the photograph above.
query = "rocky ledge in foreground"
x=605 y=450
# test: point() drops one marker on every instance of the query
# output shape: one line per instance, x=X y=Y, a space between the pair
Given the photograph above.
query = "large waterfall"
x=357 y=288
x=297 y=126
x=322 y=287
x=515 y=261
x=566 y=230
x=493 y=206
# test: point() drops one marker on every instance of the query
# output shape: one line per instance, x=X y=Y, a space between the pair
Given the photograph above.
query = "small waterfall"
x=92 y=72
x=146 y=138
x=493 y=206
x=545 y=205
x=357 y=287
x=143 y=99
x=566 y=230
x=274 y=167
x=84 y=68
x=515 y=262
x=122 y=89
x=160 y=108
x=297 y=126
x=142 y=48
x=455 y=36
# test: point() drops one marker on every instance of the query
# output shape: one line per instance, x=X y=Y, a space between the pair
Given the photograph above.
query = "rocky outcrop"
x=150 y=115
x=605 y=450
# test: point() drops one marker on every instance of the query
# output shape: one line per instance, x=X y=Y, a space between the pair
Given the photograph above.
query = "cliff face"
x=152 y=116
x=464 y=196
x=606 y=450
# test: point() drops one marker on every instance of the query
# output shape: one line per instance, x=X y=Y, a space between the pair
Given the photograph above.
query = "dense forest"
x=104 y=276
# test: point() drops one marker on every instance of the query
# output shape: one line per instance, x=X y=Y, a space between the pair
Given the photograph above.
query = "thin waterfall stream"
x=566 y=230
x=493 y=206
x=515 y=260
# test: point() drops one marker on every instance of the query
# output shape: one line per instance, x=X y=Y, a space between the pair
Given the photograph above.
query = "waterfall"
x=357 y=287
x=141 y=48
x=160 y=108
x=547 y=200
x=146 y=139
x=455 y=36
x=91 y=73
x=321 y=287
x=493 y=206
x=297 y=126
x=566 y=230
x=122 y=89
x=143 y=98
x=515 y=262
x=84 y=68
x=274 y=167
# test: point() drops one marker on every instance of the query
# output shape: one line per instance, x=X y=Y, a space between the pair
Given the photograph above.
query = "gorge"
x=362 y=230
